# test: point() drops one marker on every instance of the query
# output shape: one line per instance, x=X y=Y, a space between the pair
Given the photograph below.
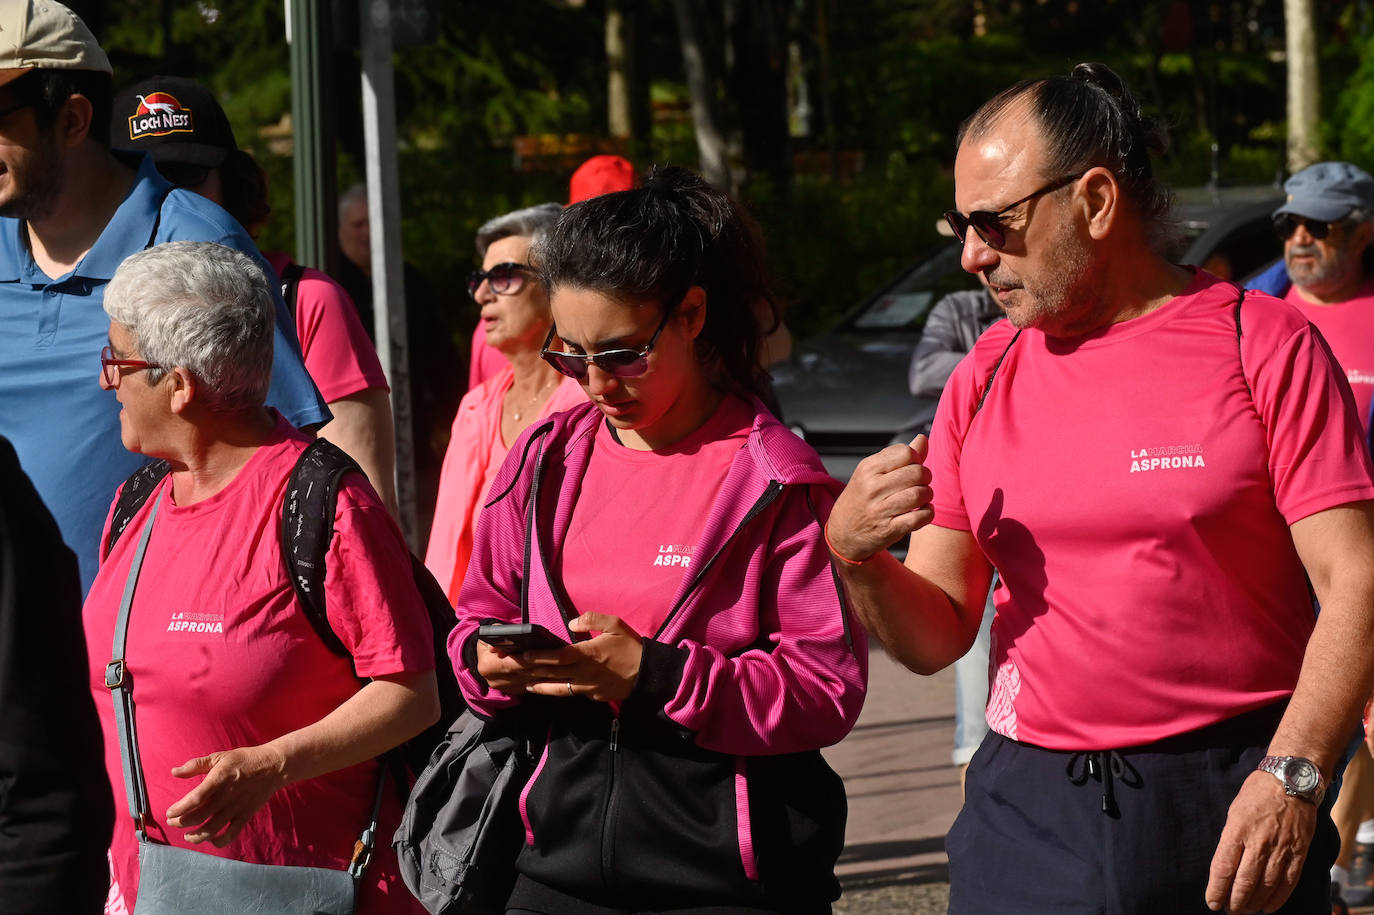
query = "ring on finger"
x=570 y=689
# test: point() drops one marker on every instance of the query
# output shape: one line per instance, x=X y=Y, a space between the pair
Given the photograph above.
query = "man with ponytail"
x=1156 y=465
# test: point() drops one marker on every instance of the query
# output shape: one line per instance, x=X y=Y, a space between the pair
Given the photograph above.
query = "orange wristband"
x=837 y=554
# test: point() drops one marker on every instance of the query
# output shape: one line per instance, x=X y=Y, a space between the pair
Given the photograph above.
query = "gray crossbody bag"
x=172 y=880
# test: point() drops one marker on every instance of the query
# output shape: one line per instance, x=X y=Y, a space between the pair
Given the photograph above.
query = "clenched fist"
x=887 y=498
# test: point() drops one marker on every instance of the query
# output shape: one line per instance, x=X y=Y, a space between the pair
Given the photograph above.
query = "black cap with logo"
x=174 y=118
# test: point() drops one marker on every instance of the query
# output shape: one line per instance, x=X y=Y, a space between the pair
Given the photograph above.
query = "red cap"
x=600 y=175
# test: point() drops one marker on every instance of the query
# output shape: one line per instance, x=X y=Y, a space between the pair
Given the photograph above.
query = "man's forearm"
x=1337 y=549
x=362 y=427
x=1335 y=682
x=919 y=623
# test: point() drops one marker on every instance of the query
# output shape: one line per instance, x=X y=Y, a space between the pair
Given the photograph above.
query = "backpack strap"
x=997 y=365
x=307 y=527
x=290 y=284
x=135 y=492
x=1240 y=354
x=157 y=222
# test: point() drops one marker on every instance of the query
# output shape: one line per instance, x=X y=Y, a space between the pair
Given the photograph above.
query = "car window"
x=905 y=303
x=1234 y=239
x=894 y=309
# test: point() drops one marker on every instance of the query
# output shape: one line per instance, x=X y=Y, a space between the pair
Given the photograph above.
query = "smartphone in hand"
x=513 y=638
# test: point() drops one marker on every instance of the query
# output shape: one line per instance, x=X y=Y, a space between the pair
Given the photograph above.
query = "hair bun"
x=673 y=182
x=1103 y=77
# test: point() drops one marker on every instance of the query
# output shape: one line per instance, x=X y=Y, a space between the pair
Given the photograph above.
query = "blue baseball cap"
x=1328 y=191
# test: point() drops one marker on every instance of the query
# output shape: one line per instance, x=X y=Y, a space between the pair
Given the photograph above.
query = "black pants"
x=533 y=898
x=1114 y=832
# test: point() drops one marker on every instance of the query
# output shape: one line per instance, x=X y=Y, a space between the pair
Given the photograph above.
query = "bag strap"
x=290 y=285
x=997 y=365
x=532 y=532
x=121 y=687
x=157 y=221
x=1240 y=353
x=307 y=527
x=132 y=497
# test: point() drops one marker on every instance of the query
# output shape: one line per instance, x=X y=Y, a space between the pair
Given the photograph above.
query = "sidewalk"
x=903 y=793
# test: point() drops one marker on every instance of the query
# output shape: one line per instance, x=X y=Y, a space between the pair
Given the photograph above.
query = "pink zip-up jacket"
x=708 y=785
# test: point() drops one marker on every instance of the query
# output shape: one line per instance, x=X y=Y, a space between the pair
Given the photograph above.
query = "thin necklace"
x=516 y=413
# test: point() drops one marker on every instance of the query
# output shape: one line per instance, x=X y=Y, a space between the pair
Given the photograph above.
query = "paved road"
x=903 y=793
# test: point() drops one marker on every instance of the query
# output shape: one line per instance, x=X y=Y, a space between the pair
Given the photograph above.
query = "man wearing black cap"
x=181 y=125
x=70 y=212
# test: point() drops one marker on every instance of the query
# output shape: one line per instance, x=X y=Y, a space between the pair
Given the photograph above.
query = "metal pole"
x=384 y=214
x=313 y=131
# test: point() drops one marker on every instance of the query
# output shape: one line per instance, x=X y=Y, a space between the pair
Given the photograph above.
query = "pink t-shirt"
x=639 y=516
x=1136 y=498
x=1349 y=330
x=222 y=656
x=338 y=354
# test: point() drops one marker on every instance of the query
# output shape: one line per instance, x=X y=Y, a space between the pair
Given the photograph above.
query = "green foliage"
x=1350 y=133
x=492 y=74
x=900 y=77
x=837 y=242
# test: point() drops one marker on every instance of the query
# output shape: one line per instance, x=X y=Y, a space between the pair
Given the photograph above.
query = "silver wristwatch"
x=1299 y=777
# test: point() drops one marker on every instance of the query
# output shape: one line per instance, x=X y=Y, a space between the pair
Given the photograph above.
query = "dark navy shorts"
x=533 y=898
x=1112 y=832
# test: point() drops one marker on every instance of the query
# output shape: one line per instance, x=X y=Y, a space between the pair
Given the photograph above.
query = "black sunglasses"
x=988 y=223
x=622 y=363
x=1285 y=224
x=504 y=279
x=184 y=174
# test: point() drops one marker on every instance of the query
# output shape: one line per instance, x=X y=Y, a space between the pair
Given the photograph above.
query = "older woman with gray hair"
x=516 y=318
x=256 y=742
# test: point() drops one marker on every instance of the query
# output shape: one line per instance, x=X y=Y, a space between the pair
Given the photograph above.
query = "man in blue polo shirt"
x=70 y=212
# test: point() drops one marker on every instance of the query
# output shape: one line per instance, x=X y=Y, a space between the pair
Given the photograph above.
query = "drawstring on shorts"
x=1107 y=767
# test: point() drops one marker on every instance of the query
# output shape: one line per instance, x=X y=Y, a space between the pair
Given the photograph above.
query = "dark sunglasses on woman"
x=622 y=363
x=504 y=279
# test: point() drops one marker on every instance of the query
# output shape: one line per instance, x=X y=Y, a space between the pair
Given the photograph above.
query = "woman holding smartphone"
x=671 y=531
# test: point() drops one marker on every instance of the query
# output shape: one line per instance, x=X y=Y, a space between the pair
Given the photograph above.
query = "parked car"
x=845 y=391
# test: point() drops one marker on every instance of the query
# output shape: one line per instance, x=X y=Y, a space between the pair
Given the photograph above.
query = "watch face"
x=1301 y=774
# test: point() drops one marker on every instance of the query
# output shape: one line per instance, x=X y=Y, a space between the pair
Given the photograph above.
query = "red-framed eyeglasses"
x=110 y=366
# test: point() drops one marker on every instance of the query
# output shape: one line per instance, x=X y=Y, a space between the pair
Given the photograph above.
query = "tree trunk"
x=619 y=65
x=701 y=61
x=1303 y=84
x=627 y=88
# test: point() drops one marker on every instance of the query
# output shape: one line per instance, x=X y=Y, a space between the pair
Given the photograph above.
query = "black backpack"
x=307 y=525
